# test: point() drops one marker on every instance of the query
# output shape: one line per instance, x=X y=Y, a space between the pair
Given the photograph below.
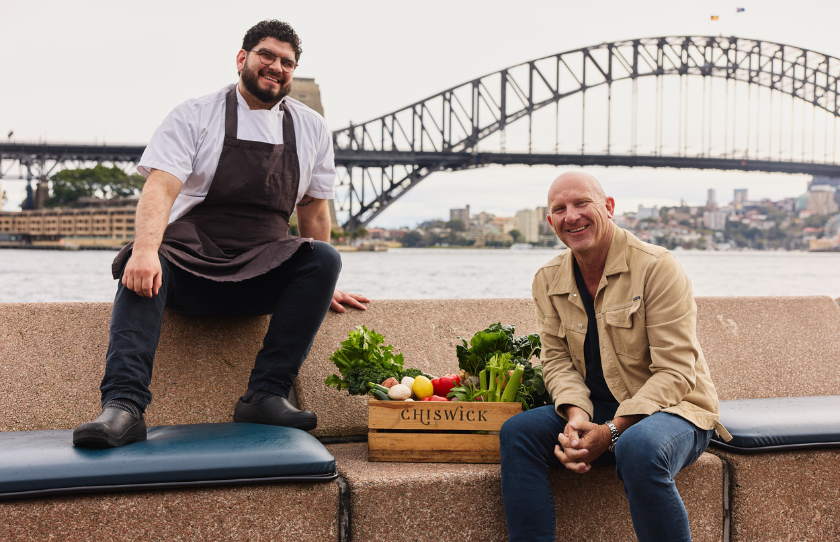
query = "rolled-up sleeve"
x=562 y=381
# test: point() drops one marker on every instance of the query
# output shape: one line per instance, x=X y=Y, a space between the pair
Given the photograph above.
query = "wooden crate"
x=436 y=431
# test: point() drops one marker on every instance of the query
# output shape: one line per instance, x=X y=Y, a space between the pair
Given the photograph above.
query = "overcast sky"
x=92 y=71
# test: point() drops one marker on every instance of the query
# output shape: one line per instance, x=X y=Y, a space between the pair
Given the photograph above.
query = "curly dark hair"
x=272 y=28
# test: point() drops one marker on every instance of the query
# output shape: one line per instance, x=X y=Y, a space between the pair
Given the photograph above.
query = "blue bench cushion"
x=46 y=462
x=785 y=423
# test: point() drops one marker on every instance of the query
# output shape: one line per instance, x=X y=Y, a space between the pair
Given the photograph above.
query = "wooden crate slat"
x=436 y=431
x=433 y=448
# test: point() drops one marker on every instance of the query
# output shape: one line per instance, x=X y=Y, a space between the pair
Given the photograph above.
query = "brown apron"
x=241 y=229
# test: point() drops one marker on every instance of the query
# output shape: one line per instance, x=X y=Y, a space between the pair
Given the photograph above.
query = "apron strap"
x=231 y=118
x=288 y=126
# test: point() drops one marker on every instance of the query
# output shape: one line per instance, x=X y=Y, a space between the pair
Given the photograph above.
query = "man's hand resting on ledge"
x=351 y=300
x=142 y=273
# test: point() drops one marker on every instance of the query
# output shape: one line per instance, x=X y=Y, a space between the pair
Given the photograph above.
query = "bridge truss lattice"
x=695 y=102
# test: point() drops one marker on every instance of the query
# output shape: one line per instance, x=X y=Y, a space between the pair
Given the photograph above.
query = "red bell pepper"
x=435 y=398
x=444 y=384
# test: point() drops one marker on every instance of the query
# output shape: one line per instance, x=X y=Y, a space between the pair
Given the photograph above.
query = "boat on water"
x=372 y=247
x=521 y=246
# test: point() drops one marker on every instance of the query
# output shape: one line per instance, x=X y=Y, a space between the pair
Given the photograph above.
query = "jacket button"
x=580 y=326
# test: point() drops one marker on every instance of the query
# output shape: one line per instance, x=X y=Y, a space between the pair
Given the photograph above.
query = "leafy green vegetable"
x=475 y=357
x=362 y=359
x=357 y=380
x=413 y=373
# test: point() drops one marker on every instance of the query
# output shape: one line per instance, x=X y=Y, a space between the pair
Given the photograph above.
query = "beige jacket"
x=646 y=318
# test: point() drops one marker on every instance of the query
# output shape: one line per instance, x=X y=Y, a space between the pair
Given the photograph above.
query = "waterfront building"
x=622 y=221
x=483 y=218
x=715 y=220
x=802 y=202
x=740 y=197
x=376 y=233
x=461 y=214
x=115 y=222
x=647 y=212
x=528 y=224
x=306 y=90
x=821 y=199
x=544 y=226
x=711 y=200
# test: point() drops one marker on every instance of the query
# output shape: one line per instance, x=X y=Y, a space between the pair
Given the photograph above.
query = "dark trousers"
x=297 y=295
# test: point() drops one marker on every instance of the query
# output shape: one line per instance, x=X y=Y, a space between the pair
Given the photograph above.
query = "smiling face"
x=268 y=84
x=581 y=214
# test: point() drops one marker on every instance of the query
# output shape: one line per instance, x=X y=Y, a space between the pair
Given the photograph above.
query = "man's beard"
x=250 y=78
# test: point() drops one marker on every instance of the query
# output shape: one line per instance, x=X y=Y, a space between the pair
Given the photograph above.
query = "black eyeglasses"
x=267 y=57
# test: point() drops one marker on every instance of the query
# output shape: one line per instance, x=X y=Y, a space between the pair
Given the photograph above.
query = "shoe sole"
x=99 y=439
x=308 y=426
x=258 y=415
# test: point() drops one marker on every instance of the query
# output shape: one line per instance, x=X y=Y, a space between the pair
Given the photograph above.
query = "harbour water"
x=57 y=276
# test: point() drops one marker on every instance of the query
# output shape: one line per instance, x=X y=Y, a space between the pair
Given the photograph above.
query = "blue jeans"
x=297 y=295
x=647 y=457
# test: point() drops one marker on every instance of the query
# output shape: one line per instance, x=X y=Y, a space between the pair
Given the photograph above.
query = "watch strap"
x=613 y=434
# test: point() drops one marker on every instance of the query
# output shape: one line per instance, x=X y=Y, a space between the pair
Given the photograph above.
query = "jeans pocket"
x=702 y=438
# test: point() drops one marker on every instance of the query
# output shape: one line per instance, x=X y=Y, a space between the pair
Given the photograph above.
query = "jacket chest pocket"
x=627 y=329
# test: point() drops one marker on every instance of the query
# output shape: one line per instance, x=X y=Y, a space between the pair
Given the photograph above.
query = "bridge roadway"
x=82 y=153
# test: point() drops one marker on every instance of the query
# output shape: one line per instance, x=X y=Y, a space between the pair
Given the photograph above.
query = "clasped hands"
x=581 y=442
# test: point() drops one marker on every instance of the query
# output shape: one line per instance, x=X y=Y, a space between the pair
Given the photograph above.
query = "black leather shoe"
x=114 y=427
x=275 y=410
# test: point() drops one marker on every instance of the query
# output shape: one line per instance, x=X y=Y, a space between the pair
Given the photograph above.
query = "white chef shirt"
x=188 y=145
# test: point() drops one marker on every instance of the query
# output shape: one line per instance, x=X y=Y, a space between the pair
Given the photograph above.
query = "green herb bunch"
x=362 y=359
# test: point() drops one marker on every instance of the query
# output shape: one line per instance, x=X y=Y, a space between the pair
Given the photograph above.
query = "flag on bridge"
x=715 y=17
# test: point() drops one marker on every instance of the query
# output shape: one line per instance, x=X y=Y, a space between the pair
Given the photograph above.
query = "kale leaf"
x=363 y=358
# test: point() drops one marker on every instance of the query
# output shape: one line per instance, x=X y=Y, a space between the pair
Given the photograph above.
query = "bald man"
x=622 y=363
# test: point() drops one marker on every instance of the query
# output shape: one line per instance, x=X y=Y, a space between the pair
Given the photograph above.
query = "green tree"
x=816 y=221
x=516 y=234
x=360 y=233
x=109 y=182
x=456 y=225
x=412 y=239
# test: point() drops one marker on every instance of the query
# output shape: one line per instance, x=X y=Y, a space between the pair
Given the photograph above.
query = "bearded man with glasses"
x=224 y=174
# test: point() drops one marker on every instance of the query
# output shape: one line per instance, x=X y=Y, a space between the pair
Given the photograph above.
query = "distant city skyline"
x=629 y=187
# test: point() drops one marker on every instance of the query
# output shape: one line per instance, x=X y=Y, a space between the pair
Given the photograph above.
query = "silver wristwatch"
x=613 y=433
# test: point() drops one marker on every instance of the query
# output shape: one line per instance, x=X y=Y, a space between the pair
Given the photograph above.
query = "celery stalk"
x=513 y=384
x=491 y=391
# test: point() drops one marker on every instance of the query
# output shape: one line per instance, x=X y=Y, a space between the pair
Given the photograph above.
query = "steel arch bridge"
x=678 y=101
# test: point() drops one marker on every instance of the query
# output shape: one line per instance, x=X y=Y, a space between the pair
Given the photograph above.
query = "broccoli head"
x=413 y=373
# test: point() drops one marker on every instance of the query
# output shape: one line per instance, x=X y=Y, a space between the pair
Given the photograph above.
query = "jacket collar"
x=564 y=282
